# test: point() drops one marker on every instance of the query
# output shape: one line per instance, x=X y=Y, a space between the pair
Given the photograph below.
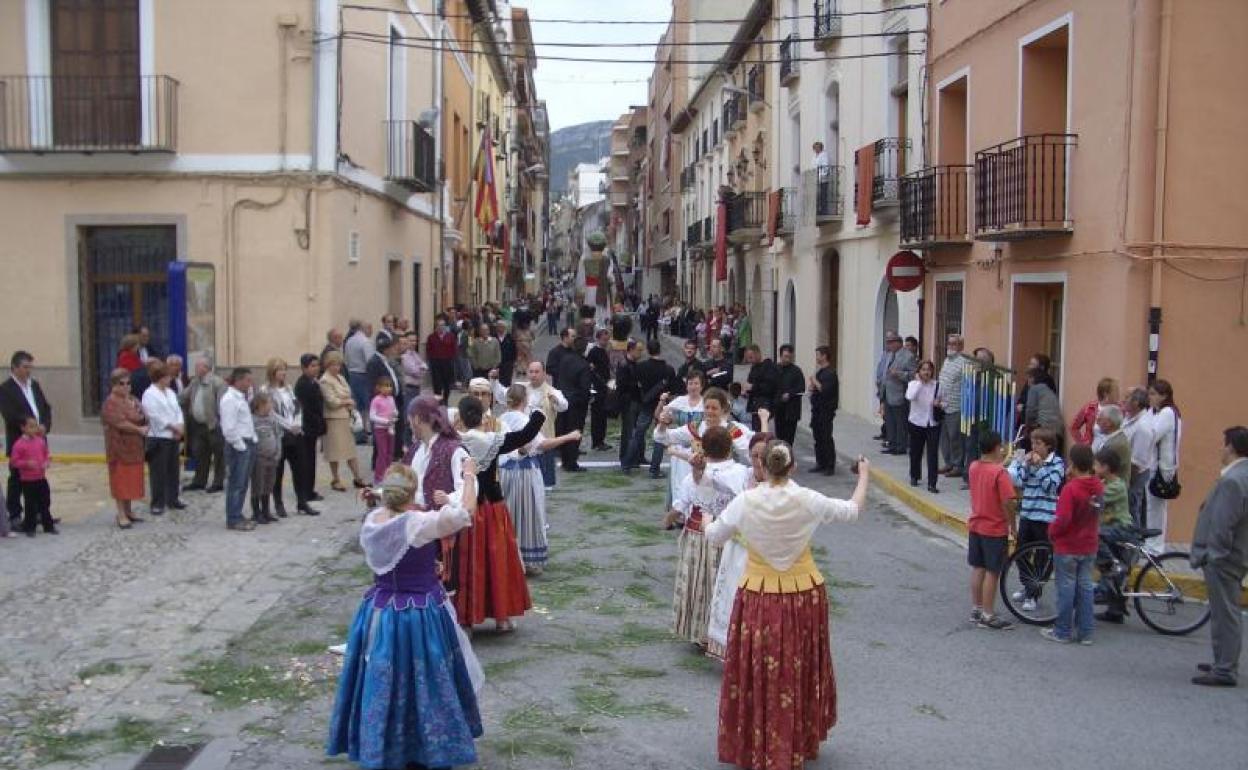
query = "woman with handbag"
x=1167 y=425
x=342 y=420
x=924 y=423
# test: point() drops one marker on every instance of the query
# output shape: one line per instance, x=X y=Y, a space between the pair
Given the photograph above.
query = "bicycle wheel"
x=1028 y=575
x=1170 y=599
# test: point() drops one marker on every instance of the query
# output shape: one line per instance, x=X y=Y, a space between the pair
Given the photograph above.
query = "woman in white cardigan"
x=1167 y=425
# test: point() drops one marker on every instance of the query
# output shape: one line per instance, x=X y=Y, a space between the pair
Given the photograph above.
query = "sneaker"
x=995 y=623
x=976 y=616
x=1086 y=641
x=1051 y=635
x=1029 y=605
x=337 y=649
x=1018 y=596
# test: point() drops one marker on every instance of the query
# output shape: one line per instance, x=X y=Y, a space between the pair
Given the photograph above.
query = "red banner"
x=721 y=241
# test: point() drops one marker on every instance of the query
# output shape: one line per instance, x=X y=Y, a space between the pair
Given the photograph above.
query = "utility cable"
x=894 y=9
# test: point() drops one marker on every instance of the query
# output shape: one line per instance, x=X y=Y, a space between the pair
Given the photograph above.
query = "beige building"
x=528 y=194
x=300 y=168
x=624 y=231
x=1082 y=200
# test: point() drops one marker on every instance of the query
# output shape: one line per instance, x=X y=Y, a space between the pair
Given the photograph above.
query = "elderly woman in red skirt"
x=778 y=699
x=124 y=429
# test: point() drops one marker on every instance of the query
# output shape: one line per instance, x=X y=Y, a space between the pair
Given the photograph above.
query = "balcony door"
x=95 y=73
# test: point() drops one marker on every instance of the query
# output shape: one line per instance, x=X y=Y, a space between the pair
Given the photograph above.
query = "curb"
x=72 y=459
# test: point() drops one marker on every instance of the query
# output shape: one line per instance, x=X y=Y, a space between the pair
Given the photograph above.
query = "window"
x=948 y=314
x=667 y=223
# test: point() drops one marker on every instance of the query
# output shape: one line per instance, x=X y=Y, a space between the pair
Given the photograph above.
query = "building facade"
x=300 y=172
x=1080 y=201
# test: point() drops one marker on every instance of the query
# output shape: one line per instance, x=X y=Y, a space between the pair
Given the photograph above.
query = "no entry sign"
x=905 y=271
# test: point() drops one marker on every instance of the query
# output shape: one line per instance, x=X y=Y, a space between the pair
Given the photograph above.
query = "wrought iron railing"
x=733 y=112
x=687 y=177
x=57 y=113
x=693 y=234
x=786 y=217
x=890 y=166
x=747 y=213
x=787 y=50
x=756 y=85
x=822 y=188
x=1022 y=186
x=411 y=155
x=827 y=21
x=935 y=203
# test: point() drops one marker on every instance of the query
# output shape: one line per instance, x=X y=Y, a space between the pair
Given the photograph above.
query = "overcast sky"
x=578 y=92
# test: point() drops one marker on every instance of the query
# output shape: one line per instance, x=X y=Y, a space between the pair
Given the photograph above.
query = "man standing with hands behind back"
x=788 y=403
x=899 y=368
x=825 y=399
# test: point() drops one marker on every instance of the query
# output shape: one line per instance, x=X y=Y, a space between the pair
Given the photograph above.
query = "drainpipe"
x=1159 y=190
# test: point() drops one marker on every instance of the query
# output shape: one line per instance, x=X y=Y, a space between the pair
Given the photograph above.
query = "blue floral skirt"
x=405 y=695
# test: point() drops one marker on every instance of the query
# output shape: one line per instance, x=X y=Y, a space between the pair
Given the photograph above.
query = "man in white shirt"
x=823 y=174
x=1140 y=434
x=239 y=434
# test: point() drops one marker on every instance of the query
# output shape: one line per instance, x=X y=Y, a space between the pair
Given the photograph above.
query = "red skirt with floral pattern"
x=778 y=700
x=491 y=576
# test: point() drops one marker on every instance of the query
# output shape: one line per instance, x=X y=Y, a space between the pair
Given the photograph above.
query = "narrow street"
x=183 y=632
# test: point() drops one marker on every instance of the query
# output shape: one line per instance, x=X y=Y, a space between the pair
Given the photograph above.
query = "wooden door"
x=95 y=73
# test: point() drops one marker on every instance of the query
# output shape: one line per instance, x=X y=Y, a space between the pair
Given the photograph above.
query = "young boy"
x=1074 y=536
x=1038 y=474
x=993 y=508
x=30 y=458
x=268 y=455
x=1116 y=527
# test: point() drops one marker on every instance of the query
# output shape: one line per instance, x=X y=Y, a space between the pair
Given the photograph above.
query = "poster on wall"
x=193 y=312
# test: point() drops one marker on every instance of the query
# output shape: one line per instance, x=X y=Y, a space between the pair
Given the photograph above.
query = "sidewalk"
x=949 y=508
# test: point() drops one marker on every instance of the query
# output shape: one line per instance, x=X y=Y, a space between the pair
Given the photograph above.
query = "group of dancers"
x=462 y=519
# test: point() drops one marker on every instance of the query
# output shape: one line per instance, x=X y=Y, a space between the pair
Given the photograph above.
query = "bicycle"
x=1162 y=602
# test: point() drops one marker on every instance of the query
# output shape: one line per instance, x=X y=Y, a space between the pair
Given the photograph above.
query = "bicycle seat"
x=1150 y=533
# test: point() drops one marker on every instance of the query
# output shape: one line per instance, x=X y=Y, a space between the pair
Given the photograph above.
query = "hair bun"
x=779 y=458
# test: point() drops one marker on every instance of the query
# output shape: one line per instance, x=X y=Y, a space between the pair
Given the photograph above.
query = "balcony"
x=788 y=72
x=716 y=138
x=890 y=166
x=747 y=216
x=411 y=156
x=1021 y=188
x=935 y=207
x=822 y=190
x=46 y=114
x=708 y=231
x=734 y=115
x=786 y=217
x=688 y=176
x=693 y=235
x=827 y=23
x=757 y=88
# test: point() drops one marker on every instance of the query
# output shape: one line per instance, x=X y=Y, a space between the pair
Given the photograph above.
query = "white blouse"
x=684 y=437
x=921 y=397
x=777 y=522
x=1167 y=433
x=163 y=412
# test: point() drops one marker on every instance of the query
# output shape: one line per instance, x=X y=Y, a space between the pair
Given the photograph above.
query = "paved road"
x=187 y=632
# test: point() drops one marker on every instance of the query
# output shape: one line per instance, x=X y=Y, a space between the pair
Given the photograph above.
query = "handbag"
x=357 y=422
x=1158 y=486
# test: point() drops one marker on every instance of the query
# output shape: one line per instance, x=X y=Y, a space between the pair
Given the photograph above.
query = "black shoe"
x=30 y=533
x=878 y=438
x=193 y=488
x=914 y=482
x=829 y=471
x=1111 y=617
x=307 y=510
x=1213 y=680
x=246 y=525
x=817 y=469
x=315 y=498
x=279 y=508
x=178 y=505
x=157 y=511
x=656 y=476
x=603 y=448
x=932 y=488
x=1204 y=667
x=51 y=530
x=574 y=469
x=215 y=488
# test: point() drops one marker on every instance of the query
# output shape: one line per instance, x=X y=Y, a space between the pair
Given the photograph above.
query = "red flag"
x=721 y=241
x=486 y=210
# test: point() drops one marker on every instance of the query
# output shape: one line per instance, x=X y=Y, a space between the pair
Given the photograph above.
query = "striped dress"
x=683 y=412
x=521 y=478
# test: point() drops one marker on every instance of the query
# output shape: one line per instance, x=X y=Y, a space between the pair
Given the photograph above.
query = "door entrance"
x=123 y=284
x=1038 y=315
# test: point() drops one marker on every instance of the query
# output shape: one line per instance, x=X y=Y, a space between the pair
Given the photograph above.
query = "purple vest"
x=438 y=474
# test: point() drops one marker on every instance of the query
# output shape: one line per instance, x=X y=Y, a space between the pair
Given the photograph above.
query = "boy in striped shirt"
x=1038 y=475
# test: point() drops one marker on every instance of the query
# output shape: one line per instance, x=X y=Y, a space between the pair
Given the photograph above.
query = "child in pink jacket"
x=30 y=458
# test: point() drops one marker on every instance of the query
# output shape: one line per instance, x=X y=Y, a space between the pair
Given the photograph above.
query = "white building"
x=587 y=183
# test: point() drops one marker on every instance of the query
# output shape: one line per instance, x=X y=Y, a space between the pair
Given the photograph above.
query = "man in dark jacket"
x=312 y=410
x=654 y=378
x=789 y=392
x=506 y=346
x=20 y=398
x=627 y=396
x=825 y=399
x=762 y=383
x=600 y=363
x=690 y=363
x=576 y=381
x=718 y=367
x=556 y=354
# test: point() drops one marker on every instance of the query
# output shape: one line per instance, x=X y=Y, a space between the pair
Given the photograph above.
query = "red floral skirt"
x=125 y=481
x=491 y=576
x=778 y=700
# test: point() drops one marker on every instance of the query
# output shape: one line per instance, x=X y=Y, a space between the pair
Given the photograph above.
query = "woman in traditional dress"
x=778 y=699
x=732 y=560
x=407 y=692
x=683 y=410
x=489 y=571
x=714 y=481
x=716 y=412
x=520 y=475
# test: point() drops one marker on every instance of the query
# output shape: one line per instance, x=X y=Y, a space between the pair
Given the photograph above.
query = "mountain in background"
x=582 y=143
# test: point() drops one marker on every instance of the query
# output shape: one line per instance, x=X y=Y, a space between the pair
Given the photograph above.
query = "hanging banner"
x=193 y=312
x=721 y=241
